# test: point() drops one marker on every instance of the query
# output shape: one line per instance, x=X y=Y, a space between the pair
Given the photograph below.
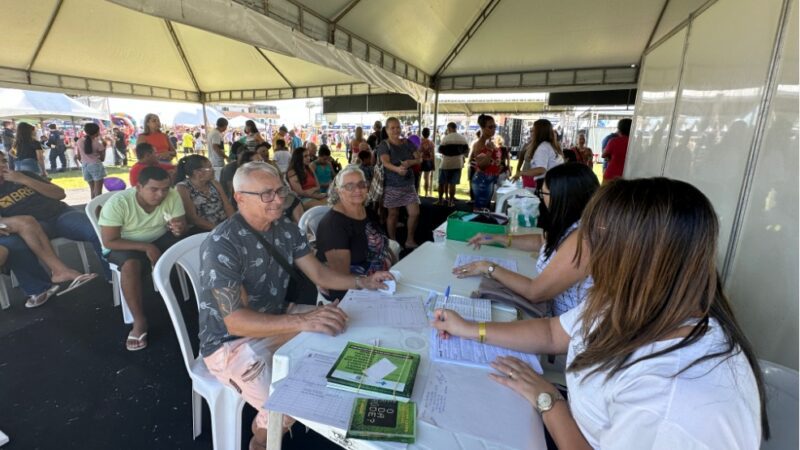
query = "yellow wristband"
x=481 y=332
x=508 y=244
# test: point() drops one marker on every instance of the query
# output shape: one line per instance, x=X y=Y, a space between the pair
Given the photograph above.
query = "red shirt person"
x=145 y=154
x=616 y=151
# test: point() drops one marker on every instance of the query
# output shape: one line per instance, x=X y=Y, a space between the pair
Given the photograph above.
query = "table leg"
x=274 y=430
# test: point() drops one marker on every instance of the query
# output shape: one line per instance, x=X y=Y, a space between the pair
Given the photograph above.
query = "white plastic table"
x=430 y=266
x=414 y=340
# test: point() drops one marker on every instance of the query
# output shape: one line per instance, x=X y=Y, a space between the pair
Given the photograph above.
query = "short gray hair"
x=333 y=192
x=242 y=175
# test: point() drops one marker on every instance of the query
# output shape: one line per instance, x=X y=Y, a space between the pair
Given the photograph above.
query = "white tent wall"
x=717 y=107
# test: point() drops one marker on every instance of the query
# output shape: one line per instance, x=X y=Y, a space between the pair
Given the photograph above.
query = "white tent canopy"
x=44 y=105
x=245 y=50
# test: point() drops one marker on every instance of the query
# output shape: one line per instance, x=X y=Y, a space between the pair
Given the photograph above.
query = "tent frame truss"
x=328 y=90
x=22 y=79
x=605 y=77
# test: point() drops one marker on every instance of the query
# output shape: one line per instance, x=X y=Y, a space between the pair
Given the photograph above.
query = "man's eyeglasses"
x=350 y=187
x=269 y=195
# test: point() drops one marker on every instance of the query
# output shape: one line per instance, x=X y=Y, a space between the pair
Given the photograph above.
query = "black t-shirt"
x=120 y=143
x=373 y=140
x=336 y=231
x=20 y=200
x=29 y=151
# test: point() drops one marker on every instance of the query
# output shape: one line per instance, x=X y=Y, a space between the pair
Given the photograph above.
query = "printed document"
x=303 y=393
x=372 y=309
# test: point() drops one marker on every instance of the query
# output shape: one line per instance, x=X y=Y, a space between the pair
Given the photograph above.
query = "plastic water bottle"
x=513 y=220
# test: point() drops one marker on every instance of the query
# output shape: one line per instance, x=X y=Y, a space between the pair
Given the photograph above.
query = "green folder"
x=349 y=372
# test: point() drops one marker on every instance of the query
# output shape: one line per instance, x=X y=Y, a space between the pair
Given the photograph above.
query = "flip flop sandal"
x=79 y=281
x=35 y=301
x=140 y=343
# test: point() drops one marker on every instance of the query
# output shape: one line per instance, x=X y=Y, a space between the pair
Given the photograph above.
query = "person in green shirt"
x=137 y=225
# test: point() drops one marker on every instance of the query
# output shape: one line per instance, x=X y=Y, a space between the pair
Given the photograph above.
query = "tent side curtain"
x=242 y=24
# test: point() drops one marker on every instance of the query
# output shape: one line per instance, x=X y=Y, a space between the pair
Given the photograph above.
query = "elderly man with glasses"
x=247 y=264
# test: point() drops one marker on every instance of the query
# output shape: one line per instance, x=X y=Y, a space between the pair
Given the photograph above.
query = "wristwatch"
x=546 y=400
x=490 y=270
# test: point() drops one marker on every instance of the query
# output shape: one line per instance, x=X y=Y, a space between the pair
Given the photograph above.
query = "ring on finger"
x=511 y=375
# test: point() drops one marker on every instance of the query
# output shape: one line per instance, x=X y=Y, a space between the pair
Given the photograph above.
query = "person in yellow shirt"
x=188 y=142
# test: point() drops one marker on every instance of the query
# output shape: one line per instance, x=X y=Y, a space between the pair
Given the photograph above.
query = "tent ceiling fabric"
x=128 y=44
x=420 y=31
x=125 y=47
x=522 y=35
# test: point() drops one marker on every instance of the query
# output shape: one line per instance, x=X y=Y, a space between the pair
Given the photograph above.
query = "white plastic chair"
x=310 y=219
x=223 y=402
x=501 y=203
x=782 y=400
x=5 y=291
x=93 y=212
x=59 y=243
x=395 y=248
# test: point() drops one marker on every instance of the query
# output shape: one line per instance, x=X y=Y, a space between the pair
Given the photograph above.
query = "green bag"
x=458 y=230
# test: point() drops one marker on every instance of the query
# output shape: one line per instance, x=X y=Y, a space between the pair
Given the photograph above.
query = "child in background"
x=365 y=160
x=323 y=169
x=199 y=145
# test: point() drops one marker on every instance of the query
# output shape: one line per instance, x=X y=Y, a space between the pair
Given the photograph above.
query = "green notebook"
x=375 y=371
x=383 y=420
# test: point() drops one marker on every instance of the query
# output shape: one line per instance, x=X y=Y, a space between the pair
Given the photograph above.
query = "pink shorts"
x=246 y=365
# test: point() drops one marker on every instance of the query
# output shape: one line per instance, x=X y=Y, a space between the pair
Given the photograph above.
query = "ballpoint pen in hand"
x=444 y=305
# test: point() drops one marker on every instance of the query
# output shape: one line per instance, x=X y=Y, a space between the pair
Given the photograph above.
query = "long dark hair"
x=542 y=132
x=653 y=245
x=91 y=129
x=188 y=165
x=298 y=164
x=24 y=139
x=250 y=127
x=571 y=187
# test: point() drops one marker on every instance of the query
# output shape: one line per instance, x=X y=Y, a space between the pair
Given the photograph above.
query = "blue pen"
x=444 y=305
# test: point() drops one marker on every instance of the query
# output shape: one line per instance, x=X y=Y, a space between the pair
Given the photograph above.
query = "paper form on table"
x=450 y=402
x=466 y=258
x=371 y=309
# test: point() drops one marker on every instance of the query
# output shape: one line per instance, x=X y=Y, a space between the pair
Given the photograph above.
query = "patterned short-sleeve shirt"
x=232 y=257
x=575 y=294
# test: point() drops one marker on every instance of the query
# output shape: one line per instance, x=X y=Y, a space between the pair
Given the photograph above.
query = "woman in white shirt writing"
x=655 y=356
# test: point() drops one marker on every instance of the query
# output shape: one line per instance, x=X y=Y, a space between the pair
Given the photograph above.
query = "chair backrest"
x=310 y=219
x=185 y=253
x=501 y=202
x=93 y=211
x=782 y=403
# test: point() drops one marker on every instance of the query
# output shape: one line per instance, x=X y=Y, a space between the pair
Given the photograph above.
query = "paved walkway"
x=77 y=196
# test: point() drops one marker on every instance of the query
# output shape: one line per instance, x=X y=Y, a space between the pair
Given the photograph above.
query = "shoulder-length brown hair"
x=653 y=246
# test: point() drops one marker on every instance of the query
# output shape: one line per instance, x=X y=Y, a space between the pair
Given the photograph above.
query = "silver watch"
x=546 y=400
x=490 y=270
